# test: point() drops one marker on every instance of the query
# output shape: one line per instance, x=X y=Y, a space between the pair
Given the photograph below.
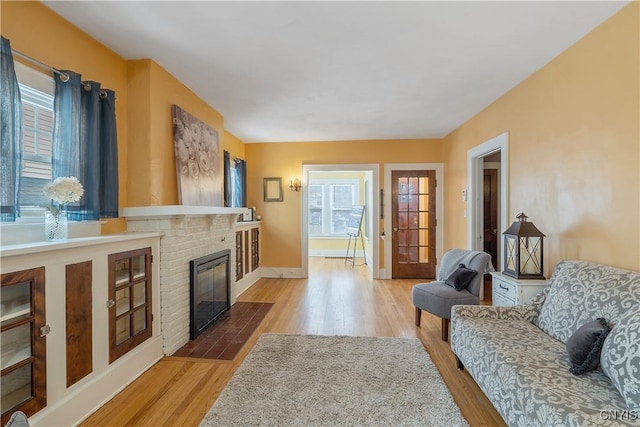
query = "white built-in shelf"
x=143 y=212
x=122 y=278
x=17 y=312
x=56 y=245
x=15 y=355
x=21 y=394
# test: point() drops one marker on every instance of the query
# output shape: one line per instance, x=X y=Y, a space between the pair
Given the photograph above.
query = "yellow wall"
x=573 y=149
x=281 y=230
x=234 y=146
x=152 y=92
x=36 y=31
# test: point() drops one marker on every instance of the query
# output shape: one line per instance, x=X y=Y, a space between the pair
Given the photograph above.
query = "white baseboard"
x=282 y=272
x=329 y=252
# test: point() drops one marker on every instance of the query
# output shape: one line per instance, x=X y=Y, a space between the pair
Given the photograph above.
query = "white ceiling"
x=323 y=71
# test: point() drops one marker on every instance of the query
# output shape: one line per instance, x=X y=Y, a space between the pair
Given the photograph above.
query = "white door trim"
x=475 y=219
x=373 y=210
x=390 y=167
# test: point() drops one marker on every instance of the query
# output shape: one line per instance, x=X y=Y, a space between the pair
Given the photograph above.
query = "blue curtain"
x=85 y=145
x=108 y=155
x=228 y=194
x=10 y=136
x=235 y=181
x=240 y=190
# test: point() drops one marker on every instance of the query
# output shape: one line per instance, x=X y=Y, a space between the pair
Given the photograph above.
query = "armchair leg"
x=445 y=329
x=459 y=363
x=418 y=316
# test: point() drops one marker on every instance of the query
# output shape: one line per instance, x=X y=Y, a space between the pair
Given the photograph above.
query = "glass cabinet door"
x=130 y=300
x=22 y=349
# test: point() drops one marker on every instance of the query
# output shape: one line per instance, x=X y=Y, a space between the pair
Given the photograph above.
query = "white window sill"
x=32 y=230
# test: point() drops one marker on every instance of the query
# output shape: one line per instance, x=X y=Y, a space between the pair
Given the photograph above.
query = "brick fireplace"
x=190 y=232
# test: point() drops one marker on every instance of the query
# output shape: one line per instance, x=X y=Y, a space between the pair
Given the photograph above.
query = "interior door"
x=490 y=207
x=413 y=218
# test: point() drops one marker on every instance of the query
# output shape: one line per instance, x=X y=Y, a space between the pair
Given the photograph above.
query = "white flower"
x=63 y=190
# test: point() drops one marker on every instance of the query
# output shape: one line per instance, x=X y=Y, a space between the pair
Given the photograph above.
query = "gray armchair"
x=437 y=297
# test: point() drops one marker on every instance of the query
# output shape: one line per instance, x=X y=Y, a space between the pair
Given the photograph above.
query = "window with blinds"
x=37 y=131
x=36 y=91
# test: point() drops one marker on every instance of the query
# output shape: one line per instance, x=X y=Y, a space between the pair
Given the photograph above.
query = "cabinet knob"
x=45 y=330
x=110 y=303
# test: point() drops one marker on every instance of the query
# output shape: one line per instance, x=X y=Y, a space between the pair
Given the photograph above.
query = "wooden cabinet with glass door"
x=255 y=248
x=239 y=252
x=129 y=301
x=23 y=343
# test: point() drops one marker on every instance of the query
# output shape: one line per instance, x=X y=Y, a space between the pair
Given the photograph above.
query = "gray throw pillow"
x=620 y=358
x=461 y=278
x=18 y=419
x=585 y=344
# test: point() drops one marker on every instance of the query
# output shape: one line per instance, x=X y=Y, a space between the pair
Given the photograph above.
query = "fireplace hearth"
x=210 y=283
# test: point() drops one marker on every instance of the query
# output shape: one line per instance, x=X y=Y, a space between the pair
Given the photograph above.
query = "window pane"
x=315 y=196
x=339 y=219
x=413 y=202
x=37 y=131
x=424 y=254
x=413 y=185
x=315 y=221
x=413 y=237
x=403 y=186
x=316 y=200
x=342 y=196
x=16 y=387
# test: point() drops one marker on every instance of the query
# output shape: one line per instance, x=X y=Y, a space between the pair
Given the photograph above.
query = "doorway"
x=491 y=206
x=388 y=235
x=490 y=155
x=329 y=192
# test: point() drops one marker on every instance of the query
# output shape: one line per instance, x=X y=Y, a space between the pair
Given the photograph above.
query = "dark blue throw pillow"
x=461 y=278
x=585 y=344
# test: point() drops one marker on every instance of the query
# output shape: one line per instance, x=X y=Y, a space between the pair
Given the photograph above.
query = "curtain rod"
x=63 y=76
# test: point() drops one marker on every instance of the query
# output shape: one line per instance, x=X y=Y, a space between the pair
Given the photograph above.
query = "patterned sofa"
x=518 y=356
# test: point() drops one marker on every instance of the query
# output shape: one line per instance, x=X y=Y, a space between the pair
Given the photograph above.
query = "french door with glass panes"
x=413 y=219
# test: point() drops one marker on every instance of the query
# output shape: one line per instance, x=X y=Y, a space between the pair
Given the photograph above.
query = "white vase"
x=55 y=226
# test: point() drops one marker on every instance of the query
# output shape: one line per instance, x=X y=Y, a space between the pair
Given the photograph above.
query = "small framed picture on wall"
x=273 y=189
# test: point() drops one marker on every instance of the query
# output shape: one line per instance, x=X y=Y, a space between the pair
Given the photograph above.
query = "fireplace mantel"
x=145 y=212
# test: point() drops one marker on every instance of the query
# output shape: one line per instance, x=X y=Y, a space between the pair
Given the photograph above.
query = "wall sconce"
x=295 y=184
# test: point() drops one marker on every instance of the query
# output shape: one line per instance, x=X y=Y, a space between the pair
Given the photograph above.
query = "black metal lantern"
x=523 y=254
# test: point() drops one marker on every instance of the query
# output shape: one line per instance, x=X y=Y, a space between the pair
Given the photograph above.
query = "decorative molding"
x=143 y=212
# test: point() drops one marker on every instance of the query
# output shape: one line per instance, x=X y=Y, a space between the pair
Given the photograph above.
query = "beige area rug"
x=312 y=380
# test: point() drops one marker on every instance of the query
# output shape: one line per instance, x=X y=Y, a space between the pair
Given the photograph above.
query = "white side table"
x=510 y=291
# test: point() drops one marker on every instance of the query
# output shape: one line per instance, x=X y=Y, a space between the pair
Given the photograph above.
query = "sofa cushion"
x=620 y=358
x=582 y=291
x=438 y=298
x=524 y=372
x=584 y=346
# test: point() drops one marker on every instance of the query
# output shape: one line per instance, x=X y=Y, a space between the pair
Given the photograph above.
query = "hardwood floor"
x=336 y=299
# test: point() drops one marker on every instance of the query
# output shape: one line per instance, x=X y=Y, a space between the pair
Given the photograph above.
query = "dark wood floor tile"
x=224 y=339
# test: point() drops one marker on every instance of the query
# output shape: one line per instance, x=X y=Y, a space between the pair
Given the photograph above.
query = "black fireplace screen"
x=209 y=290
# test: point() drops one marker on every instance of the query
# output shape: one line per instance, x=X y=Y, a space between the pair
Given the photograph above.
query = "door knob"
x=395 y=228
